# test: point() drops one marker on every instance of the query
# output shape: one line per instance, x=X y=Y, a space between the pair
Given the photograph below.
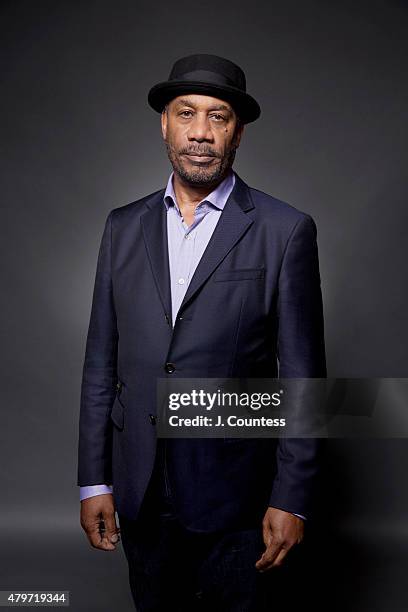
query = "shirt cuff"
x=92 y=490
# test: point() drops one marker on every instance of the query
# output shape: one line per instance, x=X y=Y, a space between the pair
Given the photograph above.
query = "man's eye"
x=188 y=113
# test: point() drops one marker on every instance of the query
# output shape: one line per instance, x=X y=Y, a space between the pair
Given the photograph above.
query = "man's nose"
x=200 y=129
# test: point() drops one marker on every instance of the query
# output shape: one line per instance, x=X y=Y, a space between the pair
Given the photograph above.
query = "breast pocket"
x=238 y=274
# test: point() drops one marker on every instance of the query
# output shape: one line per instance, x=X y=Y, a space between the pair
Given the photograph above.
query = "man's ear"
x=164 y=123
x=238 y=133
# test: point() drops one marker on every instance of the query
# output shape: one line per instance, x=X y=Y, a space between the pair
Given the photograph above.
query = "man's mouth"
x=200 y=157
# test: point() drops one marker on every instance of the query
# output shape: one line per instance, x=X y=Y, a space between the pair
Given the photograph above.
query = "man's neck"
x=188 y=196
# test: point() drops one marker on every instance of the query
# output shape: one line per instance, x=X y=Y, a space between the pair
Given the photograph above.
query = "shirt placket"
x=181 y=277
x=183 y=261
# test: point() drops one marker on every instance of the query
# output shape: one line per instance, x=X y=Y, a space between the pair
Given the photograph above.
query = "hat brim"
x=245 y=105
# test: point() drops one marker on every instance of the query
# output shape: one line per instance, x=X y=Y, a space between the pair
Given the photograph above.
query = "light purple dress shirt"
x=186 y=245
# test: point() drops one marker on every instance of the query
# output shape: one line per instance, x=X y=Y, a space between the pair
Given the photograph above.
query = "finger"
x=269 y=555
x=111 y=529
x=278 y=561
x=105 y=542
x=93 y=532
x=281 y=556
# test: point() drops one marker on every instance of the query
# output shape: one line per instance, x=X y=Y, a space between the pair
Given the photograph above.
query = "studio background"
x=78 y=139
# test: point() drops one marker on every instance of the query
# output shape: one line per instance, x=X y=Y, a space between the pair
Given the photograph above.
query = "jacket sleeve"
x=99 y=376
x=301 y=354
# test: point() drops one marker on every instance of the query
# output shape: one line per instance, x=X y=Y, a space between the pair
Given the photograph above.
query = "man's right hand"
x=98 y=521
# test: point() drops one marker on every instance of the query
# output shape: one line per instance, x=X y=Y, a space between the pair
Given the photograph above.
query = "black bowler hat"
x=209 y=75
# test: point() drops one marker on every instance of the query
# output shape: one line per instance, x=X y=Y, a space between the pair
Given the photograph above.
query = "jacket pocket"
x=239 y=274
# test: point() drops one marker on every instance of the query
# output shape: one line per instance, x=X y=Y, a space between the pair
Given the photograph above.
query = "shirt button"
x=169 y=367
x=181 y=281
x=152 y=419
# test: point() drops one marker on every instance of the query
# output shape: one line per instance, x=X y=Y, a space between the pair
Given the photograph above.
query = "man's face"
x=200 y=125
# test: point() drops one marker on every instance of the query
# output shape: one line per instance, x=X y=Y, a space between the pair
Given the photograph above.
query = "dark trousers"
x=173 y=568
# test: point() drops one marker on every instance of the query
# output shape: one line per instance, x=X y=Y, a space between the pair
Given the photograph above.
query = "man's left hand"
x=281 y=531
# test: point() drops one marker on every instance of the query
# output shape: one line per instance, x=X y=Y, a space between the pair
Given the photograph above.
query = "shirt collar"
x=218 y=197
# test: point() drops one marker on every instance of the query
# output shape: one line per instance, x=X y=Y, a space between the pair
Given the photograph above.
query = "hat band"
x=205 y=75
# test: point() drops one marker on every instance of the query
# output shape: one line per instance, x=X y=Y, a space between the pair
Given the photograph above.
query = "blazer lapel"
x=231 y=226
x=154 y=230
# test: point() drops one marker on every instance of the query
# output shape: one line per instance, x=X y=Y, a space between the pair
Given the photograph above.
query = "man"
x=206 y=278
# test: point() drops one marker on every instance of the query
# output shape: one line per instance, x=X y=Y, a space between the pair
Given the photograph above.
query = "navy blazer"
x=253 y=308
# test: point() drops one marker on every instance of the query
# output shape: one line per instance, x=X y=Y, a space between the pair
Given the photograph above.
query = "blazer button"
x=119 y=386
x=152 y=419
x=169 y=367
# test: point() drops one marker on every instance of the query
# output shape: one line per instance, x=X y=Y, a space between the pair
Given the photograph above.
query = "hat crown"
x=206 y=75
x=203 y=66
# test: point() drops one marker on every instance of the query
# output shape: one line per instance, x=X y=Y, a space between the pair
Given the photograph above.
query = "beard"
x=200 y=176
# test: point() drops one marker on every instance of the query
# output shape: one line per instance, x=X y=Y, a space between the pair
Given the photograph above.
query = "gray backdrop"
x=78 y=139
